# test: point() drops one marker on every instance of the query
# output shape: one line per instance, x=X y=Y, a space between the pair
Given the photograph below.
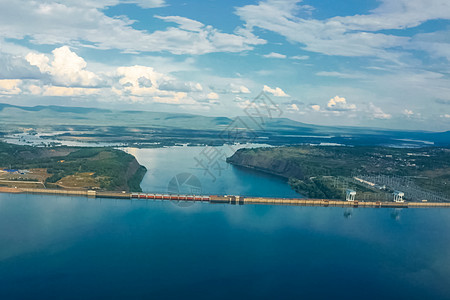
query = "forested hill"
x=71 y=167
x=306 y=166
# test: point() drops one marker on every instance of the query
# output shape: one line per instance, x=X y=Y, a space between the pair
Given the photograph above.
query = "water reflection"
x=348 y=213
x=396 y=214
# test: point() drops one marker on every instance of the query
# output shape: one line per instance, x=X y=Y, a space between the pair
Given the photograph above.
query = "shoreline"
x=233 y=200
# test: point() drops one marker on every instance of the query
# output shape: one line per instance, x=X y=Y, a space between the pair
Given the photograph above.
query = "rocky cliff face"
x=135 y=174
x=282 y=167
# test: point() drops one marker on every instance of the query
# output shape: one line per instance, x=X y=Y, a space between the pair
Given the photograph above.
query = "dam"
x=224 y=199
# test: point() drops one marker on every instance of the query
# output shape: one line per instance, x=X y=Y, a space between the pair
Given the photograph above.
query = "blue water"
x=215 y=175
x=54 y=247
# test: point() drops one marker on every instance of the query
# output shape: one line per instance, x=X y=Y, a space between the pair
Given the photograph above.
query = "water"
x=221 y=178
x=77 y=248
x=54 y=247
x=48 y=139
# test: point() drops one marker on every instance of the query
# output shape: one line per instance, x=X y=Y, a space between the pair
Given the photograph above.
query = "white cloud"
x=67 y=91
x=174 y=98
x=408 y=112
x=239 y=89
x=160 y=88
x=10 y=86
x=16 y=67
x=84 y=24
x=340 y=104
x=276 y=92
x=437 y=44
x=354 y=35
x=274 y=55
x=146 y=3
x=213 y=96
x=129 y=78
x=338 y=74
x=293 y=107
x=180 y=86
x=107 y=3
x=447 y=116
x=185 y=23
x=34 y=89
x=300 y=57
x=315 y=107
x=378 y=113
x=66 y=68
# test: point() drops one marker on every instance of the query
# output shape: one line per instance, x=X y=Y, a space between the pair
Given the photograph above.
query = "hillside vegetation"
x=98 y=168
x=315 y=171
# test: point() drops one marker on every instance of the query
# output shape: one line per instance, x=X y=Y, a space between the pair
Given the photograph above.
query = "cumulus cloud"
x=129 y=78
x=293 y=107
x=315 y=107
x=339 y=104
x=378 y=113
x=66 y=75
x=158 y=87
x=34 y=89
x=274 y=55
x=65 y=67
x=213 y=96
x=231 y=88
x=408 y=112
x=16 y=67
x=276 y=92
x=239 y=89
x=10 y=86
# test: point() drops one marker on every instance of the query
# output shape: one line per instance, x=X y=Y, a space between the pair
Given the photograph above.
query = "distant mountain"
x=276 y=131
x=62 y=115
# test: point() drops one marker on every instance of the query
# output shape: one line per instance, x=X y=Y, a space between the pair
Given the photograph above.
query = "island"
x=373 y=172
x=74 y=168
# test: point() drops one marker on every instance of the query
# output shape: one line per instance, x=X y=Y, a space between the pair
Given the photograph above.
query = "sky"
x=382 y=63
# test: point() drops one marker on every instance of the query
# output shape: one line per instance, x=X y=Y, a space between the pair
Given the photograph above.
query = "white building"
x=398 y=196
x=350 y=195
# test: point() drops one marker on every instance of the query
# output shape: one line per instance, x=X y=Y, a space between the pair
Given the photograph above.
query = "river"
x=207 y=164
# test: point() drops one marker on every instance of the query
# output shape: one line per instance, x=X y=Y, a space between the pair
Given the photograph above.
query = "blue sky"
x=365 y=63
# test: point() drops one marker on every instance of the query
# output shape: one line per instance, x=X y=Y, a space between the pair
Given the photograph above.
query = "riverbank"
x=234 y=200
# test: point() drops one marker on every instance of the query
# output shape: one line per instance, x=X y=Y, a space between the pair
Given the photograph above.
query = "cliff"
x=135 y=174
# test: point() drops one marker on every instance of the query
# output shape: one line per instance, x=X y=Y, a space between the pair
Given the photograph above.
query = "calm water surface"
x=55 y=247
x=215 y=175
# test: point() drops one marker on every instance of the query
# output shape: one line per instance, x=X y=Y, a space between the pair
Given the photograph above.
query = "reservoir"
x=207 y=164
x=54 y=247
